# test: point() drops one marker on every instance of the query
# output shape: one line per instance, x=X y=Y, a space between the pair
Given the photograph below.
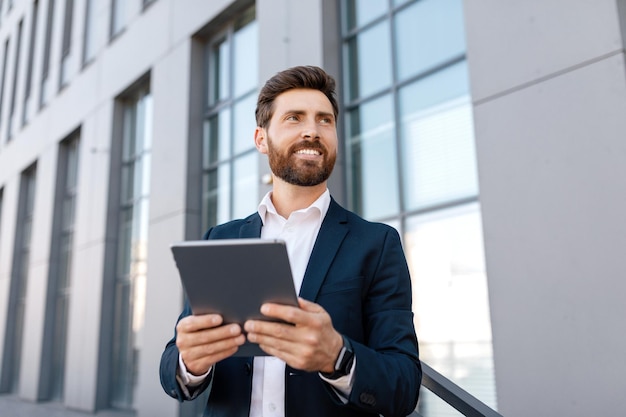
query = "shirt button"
x=272 y=407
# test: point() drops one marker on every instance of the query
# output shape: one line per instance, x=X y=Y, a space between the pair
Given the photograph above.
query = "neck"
x=288 y=198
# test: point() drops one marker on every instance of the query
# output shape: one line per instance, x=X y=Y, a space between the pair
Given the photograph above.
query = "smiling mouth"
x=308 y=152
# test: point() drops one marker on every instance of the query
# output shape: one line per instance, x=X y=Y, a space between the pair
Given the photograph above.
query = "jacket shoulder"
x=232 y=228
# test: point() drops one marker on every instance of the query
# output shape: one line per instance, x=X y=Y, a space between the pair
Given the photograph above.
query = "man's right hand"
x=202 y=341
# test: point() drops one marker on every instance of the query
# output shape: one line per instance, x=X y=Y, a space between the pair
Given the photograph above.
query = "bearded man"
x=350 y=347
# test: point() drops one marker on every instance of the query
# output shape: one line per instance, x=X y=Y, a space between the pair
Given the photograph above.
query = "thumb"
x=310 y=306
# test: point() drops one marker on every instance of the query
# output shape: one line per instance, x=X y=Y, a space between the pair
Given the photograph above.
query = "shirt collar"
x=321 y=204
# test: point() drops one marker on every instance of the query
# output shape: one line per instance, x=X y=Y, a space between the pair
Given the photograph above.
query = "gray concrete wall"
x=549 y=89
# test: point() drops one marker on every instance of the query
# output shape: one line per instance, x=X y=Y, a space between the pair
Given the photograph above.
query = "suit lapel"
x=332 y=232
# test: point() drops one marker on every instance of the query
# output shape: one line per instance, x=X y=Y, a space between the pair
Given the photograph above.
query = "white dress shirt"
x=299 y=232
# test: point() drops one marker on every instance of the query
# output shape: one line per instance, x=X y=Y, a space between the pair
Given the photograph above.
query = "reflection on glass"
x=89 y=40
x=245 y=185
x=369 y=62
x=450 y=300
x=245 y=123
x=219 y=75
x=439 y=162
x=361 y=12
x=373 y=151
x=215 y=196
x=245 y=59
x=230 y=174
x=216 y=138
x=132 y=248
x=428 y=33
x=118 y=16
x=64 y=254
x=15 y=333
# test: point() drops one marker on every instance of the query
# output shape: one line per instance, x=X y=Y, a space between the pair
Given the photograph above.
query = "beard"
x=300 y=172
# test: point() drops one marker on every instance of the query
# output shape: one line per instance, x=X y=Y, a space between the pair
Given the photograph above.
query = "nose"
x=310 y=131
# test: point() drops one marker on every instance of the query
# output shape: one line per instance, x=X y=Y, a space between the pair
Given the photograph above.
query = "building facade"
x=128 y=125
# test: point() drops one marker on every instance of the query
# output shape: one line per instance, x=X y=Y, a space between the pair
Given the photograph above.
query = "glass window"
x=216 y=138
x=245 y=52
x=360 y=12
x=16 y=73
x=62 y=253
x=1 y=205
x=216 y=195
x=45 y=91
x=373 y=168
x=12 y=359
x=439 y=162
x=89 y=38
x=66 y=47
x=445 y=254
x=229 y=157
x=5 y=60
x=31 y=55
x=368 y=62
x=411 y=162
x=428 y=33
x=118 y=16
x=243 y=129
x=245 y=185
x=131 y=268
x=219 y=74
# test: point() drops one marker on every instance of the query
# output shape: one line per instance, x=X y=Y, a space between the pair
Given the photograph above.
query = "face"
x=301 y=139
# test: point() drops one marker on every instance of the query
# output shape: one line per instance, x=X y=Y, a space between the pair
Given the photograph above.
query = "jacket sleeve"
x=169 y=367
x=388 y=371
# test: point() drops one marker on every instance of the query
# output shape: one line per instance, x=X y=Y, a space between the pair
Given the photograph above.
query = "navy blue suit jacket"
x=358 y=272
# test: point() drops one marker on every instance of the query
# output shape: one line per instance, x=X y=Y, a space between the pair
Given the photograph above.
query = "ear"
x=260 y=139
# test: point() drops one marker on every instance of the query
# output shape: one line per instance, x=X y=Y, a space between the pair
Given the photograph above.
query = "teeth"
x=308 y=152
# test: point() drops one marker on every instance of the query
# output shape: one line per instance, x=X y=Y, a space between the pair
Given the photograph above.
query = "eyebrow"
x=317 y=114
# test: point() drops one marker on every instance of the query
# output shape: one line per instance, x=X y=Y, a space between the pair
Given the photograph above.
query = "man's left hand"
x=311 y=344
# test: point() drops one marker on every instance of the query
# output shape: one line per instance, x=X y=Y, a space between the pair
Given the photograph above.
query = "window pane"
x=215 y=196
x=439 y=162
x=245 y=58
x=219 y=75
x=360 y=12
x=372 y=148
x=369 y=62
x=216 y=138
x=428 y=33
x=244 y=124
x=89 y=39
x=450 y=299
x=245 y=187
x=132 y=248
x=118 y=16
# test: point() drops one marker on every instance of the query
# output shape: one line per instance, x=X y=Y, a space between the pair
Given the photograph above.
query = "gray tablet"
x=233 y=277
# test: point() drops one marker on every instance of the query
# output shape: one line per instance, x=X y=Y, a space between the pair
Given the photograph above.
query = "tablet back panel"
x=233 y=277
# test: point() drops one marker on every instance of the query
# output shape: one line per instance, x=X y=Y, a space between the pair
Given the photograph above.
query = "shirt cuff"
x=342 y=385
x=188 y=379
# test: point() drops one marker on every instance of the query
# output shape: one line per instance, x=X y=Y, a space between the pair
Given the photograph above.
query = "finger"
x=287 y=313
x=271 y=329
x=310 y=306
x=195 y=323
x=207 y=336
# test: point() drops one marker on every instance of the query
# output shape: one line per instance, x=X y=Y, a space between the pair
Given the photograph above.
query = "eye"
x=292 y=118
x=326 y=120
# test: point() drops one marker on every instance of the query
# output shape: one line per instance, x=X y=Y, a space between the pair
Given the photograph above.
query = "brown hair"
x=309 y=77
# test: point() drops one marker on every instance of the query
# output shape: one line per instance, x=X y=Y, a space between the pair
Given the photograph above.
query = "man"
x=351 y=348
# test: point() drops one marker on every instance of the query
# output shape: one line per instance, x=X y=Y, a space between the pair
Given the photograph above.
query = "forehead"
x=301 y=99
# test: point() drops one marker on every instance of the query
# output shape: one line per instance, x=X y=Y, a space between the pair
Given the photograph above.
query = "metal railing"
x=464 y=402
